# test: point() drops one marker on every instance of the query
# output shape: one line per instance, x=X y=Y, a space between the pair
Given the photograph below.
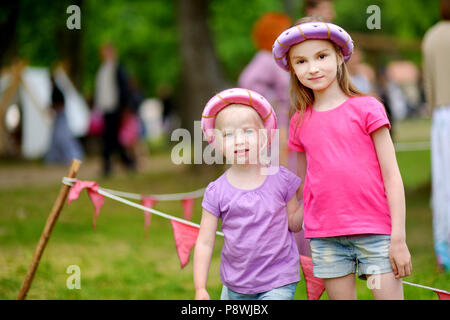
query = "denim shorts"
x=286 y=292
x=335 y=257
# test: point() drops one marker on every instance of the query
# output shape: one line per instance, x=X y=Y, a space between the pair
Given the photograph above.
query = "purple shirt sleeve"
x=210 y=200
x=291 y=182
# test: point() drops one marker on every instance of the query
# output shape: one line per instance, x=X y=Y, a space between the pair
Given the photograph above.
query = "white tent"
x=30 y=88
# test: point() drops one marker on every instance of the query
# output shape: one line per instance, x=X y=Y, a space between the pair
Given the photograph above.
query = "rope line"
x=103 y=192
x=425 y=287
x=160 y=197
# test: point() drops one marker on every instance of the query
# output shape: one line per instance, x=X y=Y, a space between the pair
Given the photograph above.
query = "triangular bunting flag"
x=443 y=296
x=149 y=203
x=314 y=286
x=92 y=188
x=188 y=206
x=185 y=238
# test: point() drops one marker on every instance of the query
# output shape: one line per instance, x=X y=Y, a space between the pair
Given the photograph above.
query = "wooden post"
x=51 y=220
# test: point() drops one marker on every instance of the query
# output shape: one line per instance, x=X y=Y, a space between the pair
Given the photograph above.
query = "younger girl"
x=353 y=193
x=258 y=207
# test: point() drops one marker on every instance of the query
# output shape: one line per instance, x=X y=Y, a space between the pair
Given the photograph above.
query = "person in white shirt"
x=112 y=96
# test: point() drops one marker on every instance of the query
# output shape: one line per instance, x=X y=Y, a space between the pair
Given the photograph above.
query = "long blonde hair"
x=302 y=97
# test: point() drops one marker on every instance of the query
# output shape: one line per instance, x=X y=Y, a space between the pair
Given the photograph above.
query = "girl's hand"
x=400 y=258
x=201 y=294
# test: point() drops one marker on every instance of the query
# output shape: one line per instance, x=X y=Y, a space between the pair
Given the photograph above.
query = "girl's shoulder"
x=286 y=175
x=366 y=104
x=365 y=101
x=215 y=185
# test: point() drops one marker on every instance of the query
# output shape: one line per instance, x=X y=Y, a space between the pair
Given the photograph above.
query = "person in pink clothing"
x=353 y=195
x=262 y=74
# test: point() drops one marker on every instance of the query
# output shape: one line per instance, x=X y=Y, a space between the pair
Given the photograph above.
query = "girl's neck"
x=328 y=98
x=246 y=177
x=246 y=169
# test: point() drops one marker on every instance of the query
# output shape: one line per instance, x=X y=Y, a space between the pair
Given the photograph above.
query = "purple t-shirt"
x=259 y=252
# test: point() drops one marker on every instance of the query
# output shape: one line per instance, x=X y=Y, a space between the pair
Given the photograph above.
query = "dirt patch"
x=25 y=173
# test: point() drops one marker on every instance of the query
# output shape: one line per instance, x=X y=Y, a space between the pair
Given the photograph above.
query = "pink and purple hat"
x=239 y=96
x=306 y=31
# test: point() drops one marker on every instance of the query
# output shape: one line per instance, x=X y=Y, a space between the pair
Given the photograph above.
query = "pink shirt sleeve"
x=375 y=115
x=294 y=136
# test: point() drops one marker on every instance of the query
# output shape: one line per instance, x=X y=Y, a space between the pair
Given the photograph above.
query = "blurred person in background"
x=323 y=8
x=112 y=97
x=361 y=73
x=64 y=147
x=436 y=76
x=263 y=76
x=164 y=92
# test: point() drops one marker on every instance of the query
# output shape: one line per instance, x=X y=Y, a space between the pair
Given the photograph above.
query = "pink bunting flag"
x=149 y=203
x=188 y=206
x=443 y=296
x=314 y=286
x=92 y=189
x=185 y=238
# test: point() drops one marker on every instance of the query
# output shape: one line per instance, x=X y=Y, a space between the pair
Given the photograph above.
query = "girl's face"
x=240 y=134
x=315 y=63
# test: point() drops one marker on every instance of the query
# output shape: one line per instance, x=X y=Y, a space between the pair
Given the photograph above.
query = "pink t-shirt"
x=344 y=191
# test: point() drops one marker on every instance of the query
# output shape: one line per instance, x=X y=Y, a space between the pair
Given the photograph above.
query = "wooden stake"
x=51 y=220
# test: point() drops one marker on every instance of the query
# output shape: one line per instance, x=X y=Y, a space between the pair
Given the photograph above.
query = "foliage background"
x=146 y=32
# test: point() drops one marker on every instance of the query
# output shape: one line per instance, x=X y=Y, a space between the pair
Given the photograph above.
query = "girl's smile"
x=241 y=139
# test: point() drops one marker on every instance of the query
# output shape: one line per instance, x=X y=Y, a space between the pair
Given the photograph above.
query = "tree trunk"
x=8 y=32
x=70 y=46
x=201 y=74
x=292 y=8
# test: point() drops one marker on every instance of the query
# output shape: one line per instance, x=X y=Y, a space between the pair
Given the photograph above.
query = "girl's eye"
x=322 y=56
x=228 y=134
x=300 y=61
x=249 y=131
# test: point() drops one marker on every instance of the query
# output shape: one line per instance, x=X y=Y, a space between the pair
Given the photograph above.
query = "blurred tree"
x=201 y=73
x=70 y=46
x=231 y=23
x=38 y=33
x=8 y=20
x=145 y=34
x=152 y=36
x=403 y=24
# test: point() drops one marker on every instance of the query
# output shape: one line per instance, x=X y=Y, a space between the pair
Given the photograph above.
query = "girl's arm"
x=295 y=214
x=203 y=252
x=301 y=172
x=294 y=209
x=398 y=251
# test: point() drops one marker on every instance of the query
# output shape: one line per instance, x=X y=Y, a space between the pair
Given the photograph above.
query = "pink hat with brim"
x=307 y=31
x=239 y=96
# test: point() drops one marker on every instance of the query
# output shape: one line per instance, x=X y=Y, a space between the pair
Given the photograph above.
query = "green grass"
x=117 y=261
